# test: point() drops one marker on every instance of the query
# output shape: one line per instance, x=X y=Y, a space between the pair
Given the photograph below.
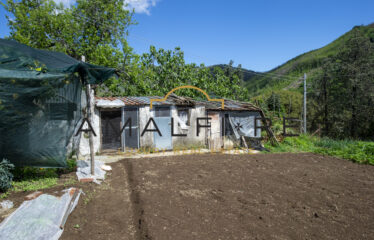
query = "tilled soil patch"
x=104 y=211
x=213 y=196
x=272 y=196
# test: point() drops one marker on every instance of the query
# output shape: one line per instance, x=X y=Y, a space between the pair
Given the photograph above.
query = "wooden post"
x=270 y=133
x=89 y=117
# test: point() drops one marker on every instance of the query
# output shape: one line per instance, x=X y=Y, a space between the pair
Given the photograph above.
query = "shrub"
x=6 y=176
x=33 y=173
x=71 y=166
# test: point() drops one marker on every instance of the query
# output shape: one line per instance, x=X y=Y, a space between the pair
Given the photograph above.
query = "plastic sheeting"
x=38 y=219
x=182 y=119
x=243 y=124
x=84 y=170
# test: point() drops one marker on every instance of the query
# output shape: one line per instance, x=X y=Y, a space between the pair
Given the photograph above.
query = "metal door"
x=130 y=116
x=163 y=120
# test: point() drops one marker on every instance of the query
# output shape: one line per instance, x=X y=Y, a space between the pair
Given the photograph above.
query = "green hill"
x=246 y=75
x=288 y=76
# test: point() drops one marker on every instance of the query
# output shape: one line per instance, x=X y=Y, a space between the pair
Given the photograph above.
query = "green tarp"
x=41 y=103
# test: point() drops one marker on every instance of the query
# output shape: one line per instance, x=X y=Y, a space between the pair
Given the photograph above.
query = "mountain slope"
x=288 y=75
x=247 y=75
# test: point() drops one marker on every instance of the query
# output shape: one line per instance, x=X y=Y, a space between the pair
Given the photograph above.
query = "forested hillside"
x=289 y=74
x=245 y=74
x=340 y=86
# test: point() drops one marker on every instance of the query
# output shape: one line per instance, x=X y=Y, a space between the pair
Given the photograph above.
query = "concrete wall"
x=191 y=140
x=147 y=140
x=144 y=115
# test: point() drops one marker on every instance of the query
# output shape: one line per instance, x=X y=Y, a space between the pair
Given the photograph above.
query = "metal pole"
x=89 y=117
x=305 y=103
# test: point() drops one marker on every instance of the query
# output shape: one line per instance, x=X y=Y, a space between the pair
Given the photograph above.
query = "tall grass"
x=357 y=151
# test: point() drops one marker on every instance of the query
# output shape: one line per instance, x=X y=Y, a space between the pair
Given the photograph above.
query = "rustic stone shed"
x=126 y=123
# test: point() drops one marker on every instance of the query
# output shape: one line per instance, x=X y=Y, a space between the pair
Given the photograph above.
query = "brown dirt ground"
x=214 y=196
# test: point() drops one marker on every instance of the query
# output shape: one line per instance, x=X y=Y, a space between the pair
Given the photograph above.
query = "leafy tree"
x=159 y=71
x=343 y=92
x=273 y=102
x=91 y=28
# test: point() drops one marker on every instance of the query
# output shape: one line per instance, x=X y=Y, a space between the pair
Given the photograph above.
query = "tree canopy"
x=98 y=30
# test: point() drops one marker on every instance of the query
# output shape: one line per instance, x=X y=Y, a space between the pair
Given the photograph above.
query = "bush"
x=33 y=173
x=71 y=166
x=6 y=176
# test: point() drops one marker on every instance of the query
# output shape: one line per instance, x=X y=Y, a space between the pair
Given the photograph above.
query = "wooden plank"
x=273 y=139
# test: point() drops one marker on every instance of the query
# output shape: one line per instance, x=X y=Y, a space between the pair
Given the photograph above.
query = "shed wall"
x=191 y=140
x=146 y=141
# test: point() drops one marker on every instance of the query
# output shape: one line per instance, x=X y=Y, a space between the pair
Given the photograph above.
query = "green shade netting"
x=41 y=103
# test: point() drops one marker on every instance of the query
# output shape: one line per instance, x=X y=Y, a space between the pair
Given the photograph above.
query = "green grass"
x=33 y=179
x=357 y=151
x=34 y=185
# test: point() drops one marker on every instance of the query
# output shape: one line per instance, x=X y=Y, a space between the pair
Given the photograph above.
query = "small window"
x=184 y=118
x=162 y=112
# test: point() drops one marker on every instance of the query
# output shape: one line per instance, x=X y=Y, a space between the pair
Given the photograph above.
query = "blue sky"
x=259 y=34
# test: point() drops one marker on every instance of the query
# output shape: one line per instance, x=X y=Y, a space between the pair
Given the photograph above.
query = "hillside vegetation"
x=289 y=75
x=340 y=86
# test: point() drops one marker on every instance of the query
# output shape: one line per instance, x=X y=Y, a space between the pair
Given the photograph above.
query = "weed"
x=33 y=185
x=4 y=195
x=89 y=196
x=70 y=181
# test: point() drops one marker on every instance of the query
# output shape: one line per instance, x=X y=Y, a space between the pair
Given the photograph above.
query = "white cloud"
x=66 y=3
x=141 y=6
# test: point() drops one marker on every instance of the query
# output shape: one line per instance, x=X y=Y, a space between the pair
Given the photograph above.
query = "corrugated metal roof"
x=230 y=105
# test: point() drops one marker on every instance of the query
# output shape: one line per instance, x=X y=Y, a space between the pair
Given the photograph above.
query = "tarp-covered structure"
x=41 y=103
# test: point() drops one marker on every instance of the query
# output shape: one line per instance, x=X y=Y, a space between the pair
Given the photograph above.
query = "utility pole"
x=89 y=118
x=304 y=103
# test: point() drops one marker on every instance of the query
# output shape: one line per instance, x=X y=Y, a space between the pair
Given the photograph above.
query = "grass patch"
x=33 y=179
x=357 y=151
x=34 y=185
